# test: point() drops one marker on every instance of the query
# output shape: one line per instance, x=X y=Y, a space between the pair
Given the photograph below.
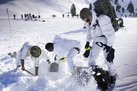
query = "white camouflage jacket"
x=63 y=45
x=24 y=53
x=104 y=28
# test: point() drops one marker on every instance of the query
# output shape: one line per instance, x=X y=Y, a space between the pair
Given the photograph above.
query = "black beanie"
x=84 y=13
x=49 y=46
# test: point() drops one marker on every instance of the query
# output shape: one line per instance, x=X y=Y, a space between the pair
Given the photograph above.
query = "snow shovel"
x=54 y=67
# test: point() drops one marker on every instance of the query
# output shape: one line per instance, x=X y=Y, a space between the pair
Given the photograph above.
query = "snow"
x=126 y=46
x=37 y=32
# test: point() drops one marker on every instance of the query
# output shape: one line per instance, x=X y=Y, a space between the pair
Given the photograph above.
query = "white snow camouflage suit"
x=103 y=32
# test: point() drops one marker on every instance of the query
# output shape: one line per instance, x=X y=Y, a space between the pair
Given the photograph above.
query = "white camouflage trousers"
x=94 y=53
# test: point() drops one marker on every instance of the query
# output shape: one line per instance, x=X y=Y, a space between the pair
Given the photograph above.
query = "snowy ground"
x=126 y=59
x=40 y=33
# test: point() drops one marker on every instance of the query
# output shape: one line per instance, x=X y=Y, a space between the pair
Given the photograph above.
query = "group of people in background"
x=34 y=17
x=28 y=16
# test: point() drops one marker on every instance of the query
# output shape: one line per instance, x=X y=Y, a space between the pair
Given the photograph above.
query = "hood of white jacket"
x=94 y=18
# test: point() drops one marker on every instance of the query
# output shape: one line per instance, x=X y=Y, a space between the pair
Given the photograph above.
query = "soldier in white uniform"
x=34 y=52
x=64 y=48
x=99 y=30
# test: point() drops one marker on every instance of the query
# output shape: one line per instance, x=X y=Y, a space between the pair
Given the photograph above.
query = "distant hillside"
x=46 y=8
x=122 y=5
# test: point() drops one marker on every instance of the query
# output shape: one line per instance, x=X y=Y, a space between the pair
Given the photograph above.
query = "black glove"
x=55 y=58
x=36 y=71
x=111 y=55
x=87 y=52
x=63 y=58
x=22 y=64
x=48 y=61
x=87 y=45
x=107 y=48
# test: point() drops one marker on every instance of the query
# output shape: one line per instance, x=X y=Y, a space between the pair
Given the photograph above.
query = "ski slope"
x=46 y=8
x=40 y=33
x=125 y=60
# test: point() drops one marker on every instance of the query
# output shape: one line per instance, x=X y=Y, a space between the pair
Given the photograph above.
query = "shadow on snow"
x=10 y=77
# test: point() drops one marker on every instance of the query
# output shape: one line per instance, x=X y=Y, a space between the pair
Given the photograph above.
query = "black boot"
x=22 y=64
x=36 y=71
x=113 y=79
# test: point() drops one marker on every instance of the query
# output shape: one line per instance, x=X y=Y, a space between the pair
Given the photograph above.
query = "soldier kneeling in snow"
x=34 y=52
x=63 y=48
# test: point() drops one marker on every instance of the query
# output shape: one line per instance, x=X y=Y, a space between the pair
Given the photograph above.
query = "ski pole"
x=9 y=22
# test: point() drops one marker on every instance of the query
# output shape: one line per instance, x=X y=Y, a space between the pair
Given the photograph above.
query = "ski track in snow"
x=10 y=80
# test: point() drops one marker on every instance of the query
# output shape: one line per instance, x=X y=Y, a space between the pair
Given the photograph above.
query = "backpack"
x=105 y=7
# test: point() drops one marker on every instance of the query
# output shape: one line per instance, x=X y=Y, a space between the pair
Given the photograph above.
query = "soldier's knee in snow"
x=74 y=51
x=77 y=49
